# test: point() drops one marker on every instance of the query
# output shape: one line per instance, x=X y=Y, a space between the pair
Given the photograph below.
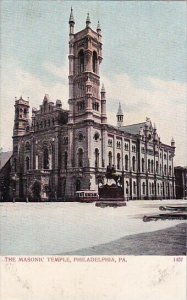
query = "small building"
x=5 y=169
x=181 y=182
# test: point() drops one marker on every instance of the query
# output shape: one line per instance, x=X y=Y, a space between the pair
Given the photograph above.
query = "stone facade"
x=60 y=151
x=181 y=182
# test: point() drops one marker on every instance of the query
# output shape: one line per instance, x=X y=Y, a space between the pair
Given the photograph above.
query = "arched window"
x=158 y=188
x=80 y=157
x=46 y=158
x=149 y=165
x=143 y=164
x=110 y=159
x=134 y=187
x=161 y=189
x=94 y=62
x=118 y=161
x=133 y=163
x=126 y=162
x=152 y=166
x=81 y=61
x=27 y=163
x=152 y=188
x=169 y=170
x=143 y=188
x=65 y=160
x=20 y=113
x=156 y=166
x=127 y=187
x=164 y=169
x=96 y=158
x=17 y=112
x=27 y=146
x=168 y=189
x=78 y=185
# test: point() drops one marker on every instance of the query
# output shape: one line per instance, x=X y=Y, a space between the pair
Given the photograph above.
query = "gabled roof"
x=134 y=128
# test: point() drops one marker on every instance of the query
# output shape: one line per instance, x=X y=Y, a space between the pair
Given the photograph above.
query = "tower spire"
x=88 y=20
x=71 y=18
x=71 y=24
x=119 y=116
x=98 y=27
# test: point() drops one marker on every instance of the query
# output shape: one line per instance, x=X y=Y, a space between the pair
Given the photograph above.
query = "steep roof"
x=4 y=157
x=119 y=113
x=134 y=128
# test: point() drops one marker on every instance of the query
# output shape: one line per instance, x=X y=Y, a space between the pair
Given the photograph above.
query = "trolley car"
x=87 y=196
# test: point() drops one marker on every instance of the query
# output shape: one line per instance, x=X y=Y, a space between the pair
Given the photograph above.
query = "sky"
x=144 y=60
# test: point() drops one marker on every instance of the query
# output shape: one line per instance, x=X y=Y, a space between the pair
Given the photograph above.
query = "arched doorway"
x=78 y=185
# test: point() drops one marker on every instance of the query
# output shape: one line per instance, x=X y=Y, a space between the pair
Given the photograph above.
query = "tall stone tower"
x=85 y=56
x=87 y=107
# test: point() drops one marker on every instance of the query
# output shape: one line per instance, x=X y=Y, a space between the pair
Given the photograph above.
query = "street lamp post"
x=14 y=179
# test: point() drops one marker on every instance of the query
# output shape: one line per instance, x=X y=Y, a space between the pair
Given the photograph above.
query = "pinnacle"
x=98 y=26
x=88 y=20
x=103 y=88
x=71 y=18
x=119 y=113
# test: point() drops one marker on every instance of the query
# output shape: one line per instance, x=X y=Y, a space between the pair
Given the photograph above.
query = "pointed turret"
x=119 y=116
x=88 y=22
x=71 y=22
x=71 y=18
x=102 y=90
x=98 y=28
x=172 y=142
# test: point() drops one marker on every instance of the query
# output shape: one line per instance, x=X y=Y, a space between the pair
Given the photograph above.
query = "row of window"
x=161 y=188
x=45 y=123
x=80 y=159
x=118 y=145
x=150 y=167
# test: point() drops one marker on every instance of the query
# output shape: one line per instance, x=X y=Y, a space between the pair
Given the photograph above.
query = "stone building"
x=181 y=182
x=60 y=151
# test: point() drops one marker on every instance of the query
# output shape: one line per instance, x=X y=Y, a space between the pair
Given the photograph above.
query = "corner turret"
x=21 y=116
x=119 y=116
x=71 y=23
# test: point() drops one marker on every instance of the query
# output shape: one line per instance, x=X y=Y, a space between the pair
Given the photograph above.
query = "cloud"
x=59 y=72
x=16 y=82
x=163 y=101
